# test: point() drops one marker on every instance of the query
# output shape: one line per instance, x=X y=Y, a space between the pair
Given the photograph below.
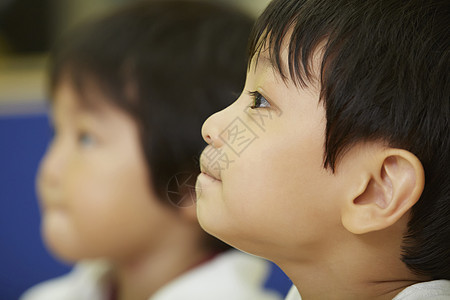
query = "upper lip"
x=206 y=168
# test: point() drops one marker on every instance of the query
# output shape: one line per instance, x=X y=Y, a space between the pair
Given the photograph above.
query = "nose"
x=52 y=165
x=213 y=129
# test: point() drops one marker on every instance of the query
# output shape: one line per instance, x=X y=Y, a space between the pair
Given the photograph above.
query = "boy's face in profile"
x=276 y=190
x=93 y=182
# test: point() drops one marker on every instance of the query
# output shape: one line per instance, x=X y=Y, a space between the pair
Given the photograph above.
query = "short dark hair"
x=169 y=64
x=384 y=77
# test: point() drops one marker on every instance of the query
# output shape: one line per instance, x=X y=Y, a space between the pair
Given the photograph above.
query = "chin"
x=59 y=242
x=216 y=227
x=204 y=216
x=234 y=237
x=62 y=252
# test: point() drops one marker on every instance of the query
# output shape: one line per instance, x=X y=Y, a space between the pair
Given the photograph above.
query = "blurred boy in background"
x=129 y=94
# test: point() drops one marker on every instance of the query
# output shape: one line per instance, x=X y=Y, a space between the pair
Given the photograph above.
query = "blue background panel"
x=24 y=261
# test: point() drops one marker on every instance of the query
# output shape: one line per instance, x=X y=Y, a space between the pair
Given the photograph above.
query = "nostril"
x=210 y=140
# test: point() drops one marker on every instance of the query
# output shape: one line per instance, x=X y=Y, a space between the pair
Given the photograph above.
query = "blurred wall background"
x=27 y=31
x=28 y=28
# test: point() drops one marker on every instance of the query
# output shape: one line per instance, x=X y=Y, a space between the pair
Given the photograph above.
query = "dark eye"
x=258 y=100
x=86 y=139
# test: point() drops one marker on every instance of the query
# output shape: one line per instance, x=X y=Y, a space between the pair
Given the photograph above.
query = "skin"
x=336 y=235
x=97 y=201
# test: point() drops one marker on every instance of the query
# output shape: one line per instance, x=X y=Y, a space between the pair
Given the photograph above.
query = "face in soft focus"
x=263 y=186
x=93 y=183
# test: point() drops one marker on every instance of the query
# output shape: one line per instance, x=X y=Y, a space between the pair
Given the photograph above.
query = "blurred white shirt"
x=230 y=275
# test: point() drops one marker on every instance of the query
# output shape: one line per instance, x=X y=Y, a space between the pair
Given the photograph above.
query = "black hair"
x=384 y=77
x=169 y=64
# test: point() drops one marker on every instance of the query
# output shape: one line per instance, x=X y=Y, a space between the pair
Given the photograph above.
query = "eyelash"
x=258 y=99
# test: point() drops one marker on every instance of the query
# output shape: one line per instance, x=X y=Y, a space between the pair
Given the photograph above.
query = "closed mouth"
x=206 y=171
x=210 y=176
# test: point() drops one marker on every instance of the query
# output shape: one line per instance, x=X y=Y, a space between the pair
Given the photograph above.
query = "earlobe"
x=394 y=183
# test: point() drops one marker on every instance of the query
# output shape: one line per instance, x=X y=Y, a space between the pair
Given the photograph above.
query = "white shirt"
x=293 y=294
x=435 y=290
x=232 y=275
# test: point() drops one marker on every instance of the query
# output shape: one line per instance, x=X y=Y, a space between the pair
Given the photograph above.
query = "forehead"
x=285 y=62
x=266 y=55
x=71 y=101
x=88 y=87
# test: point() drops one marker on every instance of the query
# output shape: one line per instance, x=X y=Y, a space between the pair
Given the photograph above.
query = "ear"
x=393 y=183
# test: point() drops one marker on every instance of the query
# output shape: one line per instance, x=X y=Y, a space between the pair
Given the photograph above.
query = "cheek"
x=275 y=195
x=263 y=203
x=107 y=213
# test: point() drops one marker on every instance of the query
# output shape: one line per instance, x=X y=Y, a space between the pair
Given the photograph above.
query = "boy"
x=338 y=150
x=129 y=93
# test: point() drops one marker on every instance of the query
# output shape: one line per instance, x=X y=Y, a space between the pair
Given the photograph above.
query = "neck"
x=144 y=274
x=321 y=282
x=363 y=267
